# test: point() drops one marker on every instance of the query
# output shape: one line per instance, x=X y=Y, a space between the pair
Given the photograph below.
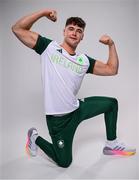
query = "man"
x=62 y=73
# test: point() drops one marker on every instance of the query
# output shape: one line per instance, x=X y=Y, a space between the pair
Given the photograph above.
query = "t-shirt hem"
x=60 y=113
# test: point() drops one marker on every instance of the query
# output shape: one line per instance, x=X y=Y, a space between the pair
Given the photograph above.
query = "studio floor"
x=88 y=160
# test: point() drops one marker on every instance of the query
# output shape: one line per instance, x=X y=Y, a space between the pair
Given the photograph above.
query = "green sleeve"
x=41 y=44
x=91 y=66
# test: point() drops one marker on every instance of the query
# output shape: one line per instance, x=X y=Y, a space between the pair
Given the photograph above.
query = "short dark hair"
x=76 y=21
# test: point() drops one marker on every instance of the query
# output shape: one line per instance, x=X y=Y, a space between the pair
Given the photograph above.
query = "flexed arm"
x=112 y=65
x=22 y=27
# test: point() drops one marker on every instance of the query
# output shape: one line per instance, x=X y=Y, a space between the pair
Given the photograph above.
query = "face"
x=73 y=34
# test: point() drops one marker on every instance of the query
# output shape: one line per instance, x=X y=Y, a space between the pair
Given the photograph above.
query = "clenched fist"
x=105 y=39
x=52 y=15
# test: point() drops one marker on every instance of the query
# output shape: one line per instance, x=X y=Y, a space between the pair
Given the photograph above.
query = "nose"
x=74 y=33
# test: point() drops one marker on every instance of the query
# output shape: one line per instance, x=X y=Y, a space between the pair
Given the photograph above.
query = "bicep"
x=27 y=37
x=101 y=69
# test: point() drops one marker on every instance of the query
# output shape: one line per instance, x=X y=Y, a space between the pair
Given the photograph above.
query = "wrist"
x=111 y=43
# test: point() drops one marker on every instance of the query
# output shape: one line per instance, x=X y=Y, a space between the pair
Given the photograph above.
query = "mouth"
x=73 y=38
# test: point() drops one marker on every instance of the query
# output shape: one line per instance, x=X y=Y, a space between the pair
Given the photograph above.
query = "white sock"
x=35 y=136
x=112 y=143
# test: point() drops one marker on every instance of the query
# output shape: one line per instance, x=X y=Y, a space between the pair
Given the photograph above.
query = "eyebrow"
x=72 y=26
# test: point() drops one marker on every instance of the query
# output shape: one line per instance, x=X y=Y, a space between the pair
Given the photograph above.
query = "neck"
x=68 y=48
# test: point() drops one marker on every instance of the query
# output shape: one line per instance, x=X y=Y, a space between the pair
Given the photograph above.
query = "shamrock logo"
x=60 y=143
x=80 y=60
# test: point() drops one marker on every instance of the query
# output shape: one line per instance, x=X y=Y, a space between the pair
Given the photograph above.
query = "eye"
x=71 y=28
x=79 y=31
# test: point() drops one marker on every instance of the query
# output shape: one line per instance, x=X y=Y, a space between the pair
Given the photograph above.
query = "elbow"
x=114 y=72
x=13 y=29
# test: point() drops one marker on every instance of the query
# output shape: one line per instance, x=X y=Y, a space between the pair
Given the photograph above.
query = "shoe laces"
x=119 y=146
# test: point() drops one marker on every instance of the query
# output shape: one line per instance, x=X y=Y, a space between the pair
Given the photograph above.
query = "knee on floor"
x=64 y=163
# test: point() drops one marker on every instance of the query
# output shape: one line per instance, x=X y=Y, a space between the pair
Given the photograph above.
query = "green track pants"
x=62 y=129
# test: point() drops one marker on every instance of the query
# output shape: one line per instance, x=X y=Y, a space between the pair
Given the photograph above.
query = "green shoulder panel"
x=41 y=44
x=91 y=65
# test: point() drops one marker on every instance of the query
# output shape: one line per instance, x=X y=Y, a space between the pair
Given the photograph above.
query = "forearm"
x=22 y=27
x=113 y=61
x=26 y=22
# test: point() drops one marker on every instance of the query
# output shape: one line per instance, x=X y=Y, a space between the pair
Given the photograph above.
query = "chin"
x=72 y=44
x=75 y=44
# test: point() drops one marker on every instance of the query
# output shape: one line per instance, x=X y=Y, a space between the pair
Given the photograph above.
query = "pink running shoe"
x=31 y=147
x=119 y=149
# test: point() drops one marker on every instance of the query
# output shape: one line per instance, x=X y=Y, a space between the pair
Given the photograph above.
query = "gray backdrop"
x=20 y=73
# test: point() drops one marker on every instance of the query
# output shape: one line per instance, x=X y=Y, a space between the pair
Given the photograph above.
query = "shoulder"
x=41 y=44
x=92 y=62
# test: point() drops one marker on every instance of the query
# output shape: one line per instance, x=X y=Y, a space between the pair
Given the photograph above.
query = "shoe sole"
x=121 y=153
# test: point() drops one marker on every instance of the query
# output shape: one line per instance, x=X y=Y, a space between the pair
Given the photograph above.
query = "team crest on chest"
x=80 y=60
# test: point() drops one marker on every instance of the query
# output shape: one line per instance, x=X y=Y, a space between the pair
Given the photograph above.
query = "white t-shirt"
x=62 y=75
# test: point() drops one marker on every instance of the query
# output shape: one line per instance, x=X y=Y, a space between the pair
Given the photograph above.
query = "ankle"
x=111 y=143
